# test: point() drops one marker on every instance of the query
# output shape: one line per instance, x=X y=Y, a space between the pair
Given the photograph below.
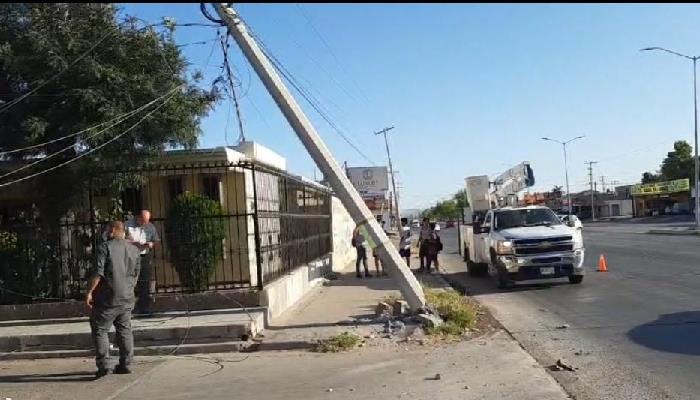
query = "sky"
x=470 y=89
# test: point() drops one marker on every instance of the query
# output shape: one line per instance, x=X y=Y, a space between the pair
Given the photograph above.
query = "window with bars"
x=211 y=187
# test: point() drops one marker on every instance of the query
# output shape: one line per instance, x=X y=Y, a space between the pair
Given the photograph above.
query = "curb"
x=669 y=232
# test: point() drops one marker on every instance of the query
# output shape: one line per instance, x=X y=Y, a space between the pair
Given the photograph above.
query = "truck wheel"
x=503 y=281
x=473 y=268
x=575 y=279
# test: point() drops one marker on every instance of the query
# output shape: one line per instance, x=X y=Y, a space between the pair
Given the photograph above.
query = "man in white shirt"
x=143 y=234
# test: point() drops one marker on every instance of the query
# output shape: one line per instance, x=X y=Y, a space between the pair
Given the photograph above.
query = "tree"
x=461 y=199
x=650 y=177
x=195 y=234
x=88 y=68
x=678 y=164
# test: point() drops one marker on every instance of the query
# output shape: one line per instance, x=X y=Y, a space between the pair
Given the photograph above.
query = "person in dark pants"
x=423 y=243
x=110 y=297
x=405 y=245
x=434 y=246
x=142 y=233
x=360 y=244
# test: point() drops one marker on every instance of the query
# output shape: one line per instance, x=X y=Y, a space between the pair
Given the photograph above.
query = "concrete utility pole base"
x=408 y=284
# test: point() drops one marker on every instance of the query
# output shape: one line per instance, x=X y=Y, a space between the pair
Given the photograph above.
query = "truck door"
x=481 y=240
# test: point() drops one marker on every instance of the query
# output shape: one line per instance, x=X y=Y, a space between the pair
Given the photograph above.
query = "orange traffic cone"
x=602 y=264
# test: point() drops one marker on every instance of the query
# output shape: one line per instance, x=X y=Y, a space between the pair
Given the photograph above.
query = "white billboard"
x=369 y=179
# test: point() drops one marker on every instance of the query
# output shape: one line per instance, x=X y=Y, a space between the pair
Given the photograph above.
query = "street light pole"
x=566 y=167
x=696 y=162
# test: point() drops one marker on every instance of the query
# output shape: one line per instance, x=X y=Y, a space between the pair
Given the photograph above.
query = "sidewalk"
x=492 y=366
x=164 y=333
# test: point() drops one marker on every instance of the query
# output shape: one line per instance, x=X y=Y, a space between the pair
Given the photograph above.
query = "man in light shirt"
x=143 y=234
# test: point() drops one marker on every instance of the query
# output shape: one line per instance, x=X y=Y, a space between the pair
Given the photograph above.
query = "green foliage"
x=678 y=164
x=130 y=66
x=461 y=198
x=24 y=264
x=448 y=209
x=195 y=233
x=456 y=311
x=443 y=210
x=342 y=342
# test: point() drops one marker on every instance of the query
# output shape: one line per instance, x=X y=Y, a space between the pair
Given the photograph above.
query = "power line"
x=93 y=149
x=230 y=76
x=120 y=117
x=292 y=81
x=46 y=82
x=330 y=50
x=124 y=118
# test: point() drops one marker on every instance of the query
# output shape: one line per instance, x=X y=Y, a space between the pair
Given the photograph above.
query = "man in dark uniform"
x=110 y=297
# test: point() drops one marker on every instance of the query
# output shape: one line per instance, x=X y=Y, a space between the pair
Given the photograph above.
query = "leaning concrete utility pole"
x=408 y=284
x=393 y=178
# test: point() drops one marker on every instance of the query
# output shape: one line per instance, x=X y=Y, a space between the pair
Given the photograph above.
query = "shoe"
x=367 y=275
x=101 y=373
x=122 y=370
x=359 y=276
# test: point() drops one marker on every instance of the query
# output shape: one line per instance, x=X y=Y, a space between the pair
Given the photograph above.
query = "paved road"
x=634 y=332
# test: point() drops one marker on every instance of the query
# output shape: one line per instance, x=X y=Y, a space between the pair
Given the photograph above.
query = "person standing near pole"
x=405 y=245
x=423 y=243
x=144 y=235
x=110 y=297
x=360 y=244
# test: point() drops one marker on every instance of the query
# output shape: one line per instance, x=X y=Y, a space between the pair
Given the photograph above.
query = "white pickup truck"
x=522 y=243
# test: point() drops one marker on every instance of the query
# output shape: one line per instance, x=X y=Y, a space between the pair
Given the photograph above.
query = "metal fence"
x=293 y=222
x=244 y=226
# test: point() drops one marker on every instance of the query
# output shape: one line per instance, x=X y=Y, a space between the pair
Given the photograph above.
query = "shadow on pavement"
x=672 y=333
x=382 y=282
x=473 y=286
x=35 y=378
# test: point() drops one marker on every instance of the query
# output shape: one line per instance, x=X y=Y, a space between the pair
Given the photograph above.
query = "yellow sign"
x=679 y=185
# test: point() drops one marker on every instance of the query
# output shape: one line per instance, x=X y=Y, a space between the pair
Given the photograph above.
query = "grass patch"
x=458 y=314
x=342 y=342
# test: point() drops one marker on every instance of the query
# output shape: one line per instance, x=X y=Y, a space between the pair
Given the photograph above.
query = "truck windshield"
x=527 y=217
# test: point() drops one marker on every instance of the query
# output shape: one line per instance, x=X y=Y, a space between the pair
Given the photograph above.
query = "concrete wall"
x=606 y=210
x=284 y=292
x=343 y=225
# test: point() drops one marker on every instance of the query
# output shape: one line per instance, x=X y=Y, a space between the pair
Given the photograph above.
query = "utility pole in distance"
x=408 y=284
x=391 y=172
x=590 y=180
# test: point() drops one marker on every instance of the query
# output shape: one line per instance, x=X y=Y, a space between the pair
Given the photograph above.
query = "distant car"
x=577 y=222
x=450 y=224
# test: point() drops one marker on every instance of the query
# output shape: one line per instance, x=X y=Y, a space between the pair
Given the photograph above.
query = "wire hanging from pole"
x=232 y=87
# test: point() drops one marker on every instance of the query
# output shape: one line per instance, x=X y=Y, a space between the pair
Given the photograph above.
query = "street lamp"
x=695 y=114
x=566 y=168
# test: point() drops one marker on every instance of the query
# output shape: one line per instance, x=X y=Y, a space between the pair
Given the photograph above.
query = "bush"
x=342 y=342
x=195 y=233
x=455 y=310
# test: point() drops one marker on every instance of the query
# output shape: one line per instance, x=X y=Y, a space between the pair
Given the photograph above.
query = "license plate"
x=547 y=271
